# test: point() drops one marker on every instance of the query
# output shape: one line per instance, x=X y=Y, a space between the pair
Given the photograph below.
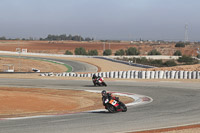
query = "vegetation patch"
x=187 y=60
x=183 y=60
x=107 y=52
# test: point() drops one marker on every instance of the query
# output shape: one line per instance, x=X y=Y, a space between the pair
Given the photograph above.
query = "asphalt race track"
x=173 y=104
x=76 y=66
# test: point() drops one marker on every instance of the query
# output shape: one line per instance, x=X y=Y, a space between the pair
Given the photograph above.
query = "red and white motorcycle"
x=99 y=81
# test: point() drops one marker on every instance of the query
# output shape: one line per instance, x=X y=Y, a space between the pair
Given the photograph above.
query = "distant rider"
x=97 y=80
x=94 y=76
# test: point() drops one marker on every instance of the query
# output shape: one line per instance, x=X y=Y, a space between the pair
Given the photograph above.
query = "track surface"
x=174 y=104
x=76 y=66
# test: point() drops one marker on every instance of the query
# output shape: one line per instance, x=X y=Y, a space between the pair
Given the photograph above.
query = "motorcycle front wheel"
x=104 y=84
x=123 y=107
x=111 y=108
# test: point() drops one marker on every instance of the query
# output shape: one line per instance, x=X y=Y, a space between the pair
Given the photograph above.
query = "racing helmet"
x=94 y=76
x=104 y=93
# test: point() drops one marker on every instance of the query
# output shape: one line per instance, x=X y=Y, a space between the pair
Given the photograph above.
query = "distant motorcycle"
x=99 y=81
x=115 y=106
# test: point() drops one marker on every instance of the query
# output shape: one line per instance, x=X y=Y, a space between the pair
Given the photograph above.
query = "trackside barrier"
x=134 y=74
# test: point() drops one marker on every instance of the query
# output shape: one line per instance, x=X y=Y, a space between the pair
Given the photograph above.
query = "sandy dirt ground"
x=192 y=130
x=59 y=47
x=18 y=102
x=26 y=65
x=182 y=129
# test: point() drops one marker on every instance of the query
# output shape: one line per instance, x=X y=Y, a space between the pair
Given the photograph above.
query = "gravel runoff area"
x=182 y=129
x=21 y=102
x=26 y=65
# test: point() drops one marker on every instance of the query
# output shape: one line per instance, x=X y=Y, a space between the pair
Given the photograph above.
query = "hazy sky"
x=102 y=19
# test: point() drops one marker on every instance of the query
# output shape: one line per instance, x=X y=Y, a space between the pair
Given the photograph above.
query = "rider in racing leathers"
x=108 y=96
x=98 y=80
x=94 y=78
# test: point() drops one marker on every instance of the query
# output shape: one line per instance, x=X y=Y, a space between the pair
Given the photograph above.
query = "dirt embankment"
x=181 y=129
x=17 y=102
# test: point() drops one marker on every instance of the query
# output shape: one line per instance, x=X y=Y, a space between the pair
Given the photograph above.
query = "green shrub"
x=107 y=52
x=68 y=52
x=3 y=38
x=158 y=63
x=80 y=51
x=120 y=52
x=170 y=63
x=142 y=60
x=132 y=51
x=145 y=61
x=177 y=53
x=125 y=59
x=154 y=52
x=92 y=52
x=198 y=56
x=187 y=60
x=180 y=44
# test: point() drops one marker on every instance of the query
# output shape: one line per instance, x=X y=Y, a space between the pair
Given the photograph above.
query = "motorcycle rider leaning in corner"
x=94 y=77
x=108 y=96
